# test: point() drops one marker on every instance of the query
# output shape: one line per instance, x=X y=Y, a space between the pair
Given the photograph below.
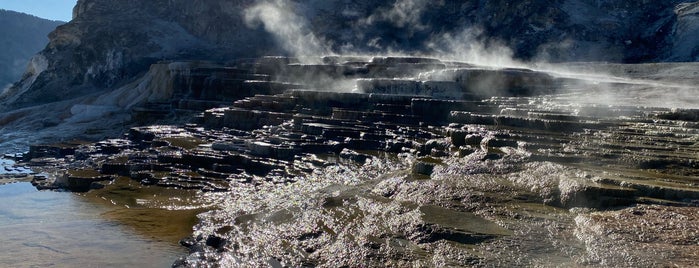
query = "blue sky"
x=47 y=9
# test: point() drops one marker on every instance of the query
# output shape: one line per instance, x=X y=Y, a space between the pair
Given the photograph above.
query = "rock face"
x=111 y=42
x=685 y=32
x=23 y=36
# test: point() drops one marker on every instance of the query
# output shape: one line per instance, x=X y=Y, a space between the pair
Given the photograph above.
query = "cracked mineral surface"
x=407 y=161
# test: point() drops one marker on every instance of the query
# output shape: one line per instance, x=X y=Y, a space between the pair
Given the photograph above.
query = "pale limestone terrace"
x=402 y=170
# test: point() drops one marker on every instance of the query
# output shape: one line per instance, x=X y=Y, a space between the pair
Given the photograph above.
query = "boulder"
x=82 y=180
x=354 y=156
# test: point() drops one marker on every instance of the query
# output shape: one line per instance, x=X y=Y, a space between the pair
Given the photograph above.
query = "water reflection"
x=67 y=230
x=7 y=167
x=164 y=214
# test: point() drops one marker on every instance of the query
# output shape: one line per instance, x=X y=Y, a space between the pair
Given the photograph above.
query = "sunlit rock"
x=408 y=175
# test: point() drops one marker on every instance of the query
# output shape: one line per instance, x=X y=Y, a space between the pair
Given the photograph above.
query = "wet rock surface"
x=641 y=234
x=10 y=171
x=414 y=168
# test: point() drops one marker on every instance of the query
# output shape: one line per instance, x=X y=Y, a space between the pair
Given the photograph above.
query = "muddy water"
x=121 y=225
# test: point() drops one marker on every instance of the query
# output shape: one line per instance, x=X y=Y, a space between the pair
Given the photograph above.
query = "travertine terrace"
x=395 y=161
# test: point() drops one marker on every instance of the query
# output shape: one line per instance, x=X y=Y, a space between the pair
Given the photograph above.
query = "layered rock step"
x=277 y=118
x=632 y=147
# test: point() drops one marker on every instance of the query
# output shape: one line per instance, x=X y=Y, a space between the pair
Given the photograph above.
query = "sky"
x=48 y=9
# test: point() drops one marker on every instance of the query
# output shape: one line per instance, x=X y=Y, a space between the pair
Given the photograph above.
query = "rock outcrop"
x=685 y=34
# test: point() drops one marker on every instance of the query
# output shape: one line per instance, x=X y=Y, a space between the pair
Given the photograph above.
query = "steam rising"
x=403 y=14
x=292 y=31
x=471 y=46
x=289 y=29
x=285 y=20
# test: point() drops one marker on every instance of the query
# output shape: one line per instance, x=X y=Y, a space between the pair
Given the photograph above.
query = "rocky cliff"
x=110 y=44
x=22 y=36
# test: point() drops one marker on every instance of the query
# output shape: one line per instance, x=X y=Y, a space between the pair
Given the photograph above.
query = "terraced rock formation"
x=400 y=161
x=108 y=44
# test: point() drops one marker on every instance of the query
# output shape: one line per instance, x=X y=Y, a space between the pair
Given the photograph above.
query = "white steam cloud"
x=403 y=14
x=471 y=46
x=290 y=30
x=285 y=20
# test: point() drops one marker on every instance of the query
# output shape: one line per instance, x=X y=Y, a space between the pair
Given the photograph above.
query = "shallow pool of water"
x=61 y=229
x=7 y=167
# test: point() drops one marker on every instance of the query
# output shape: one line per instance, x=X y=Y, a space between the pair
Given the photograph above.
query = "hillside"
x=22 y=36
